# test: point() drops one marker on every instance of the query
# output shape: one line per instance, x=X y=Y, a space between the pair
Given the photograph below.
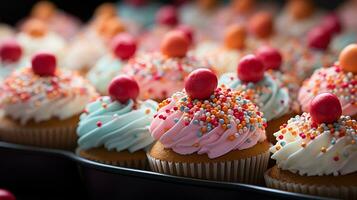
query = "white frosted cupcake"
x=109 y=66
x=42 y=103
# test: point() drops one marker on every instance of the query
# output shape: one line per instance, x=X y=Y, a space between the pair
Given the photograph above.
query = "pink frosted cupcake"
x=210 y=133
x=339 y=79
x=160 y=74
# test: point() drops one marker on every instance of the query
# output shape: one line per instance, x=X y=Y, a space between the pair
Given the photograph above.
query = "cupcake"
x=91 y=44
x=37 y=37
x=272 y=99
x=57 y=21
x=297 y=18
x=10 y=57
x=224 y=57
x=340 y=79
x=209 y=133
x=160 y=74
x=42 y=104
x=166 y=20
x=109 y=66
x=115 y=130
x=316 y=152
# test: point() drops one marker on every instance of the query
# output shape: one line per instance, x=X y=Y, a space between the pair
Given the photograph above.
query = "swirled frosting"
x=225 y=122
x=333 y=80
x=104 y=71
x=159 y=76
x=25 y=96
x=314 y=150
x=272 y=99
x=50 y=42
x=115 y=125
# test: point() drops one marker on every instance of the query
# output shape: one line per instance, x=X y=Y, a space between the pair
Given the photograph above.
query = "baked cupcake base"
x=274 y=126
x=54 y=133
x=135 y=160
x=343 y=186
x=246 y=166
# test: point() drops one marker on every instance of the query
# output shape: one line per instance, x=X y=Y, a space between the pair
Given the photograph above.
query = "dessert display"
x=209 y=132
x=42 y=103
x=315 y=152
x=115 y=129
x=202 y=95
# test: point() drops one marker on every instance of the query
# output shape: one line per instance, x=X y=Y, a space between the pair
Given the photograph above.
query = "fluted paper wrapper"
x=341 y=192
x=58 y=138
x=248 y=170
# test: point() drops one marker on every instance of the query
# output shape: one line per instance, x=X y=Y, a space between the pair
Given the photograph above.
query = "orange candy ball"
x=300 y=9
x=175 y=44
x=43 y=10
x=243 y=6
x=348 y=58
x=35 y=28
x=235 y=37
x=261 y=24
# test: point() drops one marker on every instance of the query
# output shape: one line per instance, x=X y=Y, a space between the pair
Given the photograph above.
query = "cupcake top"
x=42 y=92
x=272 y=99
x=160 y=74
x=109 y=66
x=207 y=120
x=318 y=143
x=117 y=122
x=11 y=57
x=340 y=80
x=36 y=37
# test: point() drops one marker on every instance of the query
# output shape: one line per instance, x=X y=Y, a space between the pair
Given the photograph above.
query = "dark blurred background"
x=11 y=11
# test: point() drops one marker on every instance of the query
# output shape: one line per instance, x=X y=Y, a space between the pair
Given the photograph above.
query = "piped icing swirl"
x=25 y=96
x=160 y=76
x=223 y=123
x=272 y=99
x=333 y=80
x=116 y=126
x=310 y=149
x=104 y=71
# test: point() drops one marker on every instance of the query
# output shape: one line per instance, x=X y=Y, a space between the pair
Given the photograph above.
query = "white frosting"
x=6 y=68
x=84 y=51
x=69 y=99
x=329 y=153
x=50 y=42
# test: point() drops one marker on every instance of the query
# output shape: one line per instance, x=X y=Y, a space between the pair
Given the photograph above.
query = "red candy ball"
x=319 y=38
x=10 y=51
x=250 y=69
x=124 y=46
x=188 y=31
x=201 y=83
x=167 y=15
x=122 y=88
x=332 y=24
x=325 y=108
x=136 y=3
x=6 y=195
x=44 y=64
x=270 y=57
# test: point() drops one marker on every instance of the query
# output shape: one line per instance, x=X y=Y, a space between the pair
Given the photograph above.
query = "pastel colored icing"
x=116 y=126
x=342 y=40
x=272 y=99
x=104 y=71
x=225 y=122
x=315 y=150
x=159 y=76
x=6 y=68
x=333 y=80
x=25 y=96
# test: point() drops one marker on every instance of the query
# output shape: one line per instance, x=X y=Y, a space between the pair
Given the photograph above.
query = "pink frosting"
x=332 y=80
x=184 y=137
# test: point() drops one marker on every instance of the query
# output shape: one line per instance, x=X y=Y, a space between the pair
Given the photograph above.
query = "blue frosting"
x=116 y=126
x=273 y=100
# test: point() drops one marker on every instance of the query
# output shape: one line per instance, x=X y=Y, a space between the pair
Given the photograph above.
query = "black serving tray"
x=32 y=172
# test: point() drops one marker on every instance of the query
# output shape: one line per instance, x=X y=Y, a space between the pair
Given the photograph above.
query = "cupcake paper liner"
x=344 y=192
x=57 y=138
x=248 y=170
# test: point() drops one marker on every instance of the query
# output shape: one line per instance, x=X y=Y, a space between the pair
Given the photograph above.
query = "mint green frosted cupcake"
x=109 y=66
x=114 y=129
